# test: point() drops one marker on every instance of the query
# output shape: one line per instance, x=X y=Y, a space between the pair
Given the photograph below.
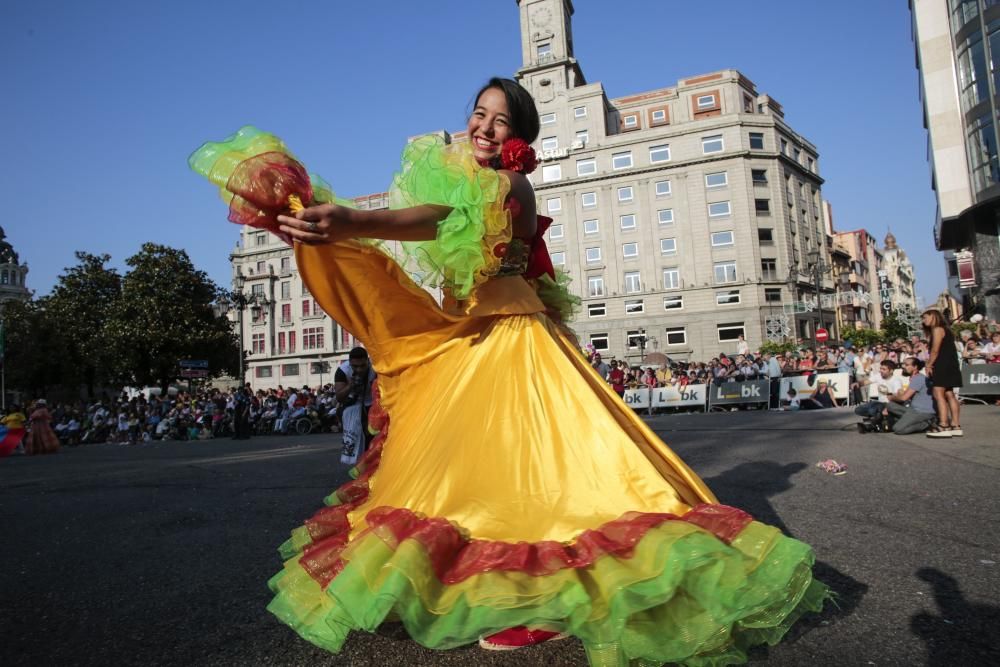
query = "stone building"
x=13 y=274
x=899 y=272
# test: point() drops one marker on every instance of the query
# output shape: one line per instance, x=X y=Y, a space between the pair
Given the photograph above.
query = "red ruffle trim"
x=456 y=558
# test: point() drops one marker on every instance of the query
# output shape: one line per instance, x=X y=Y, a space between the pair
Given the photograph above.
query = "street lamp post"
x=818 y=268
x=642 y=340
x=241 y=301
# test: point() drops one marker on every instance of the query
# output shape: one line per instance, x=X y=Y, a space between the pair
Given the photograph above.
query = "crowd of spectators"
x=197 y=415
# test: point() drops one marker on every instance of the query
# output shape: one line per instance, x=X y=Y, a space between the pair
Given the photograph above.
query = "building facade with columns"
x=680 y=213
x=13 y=274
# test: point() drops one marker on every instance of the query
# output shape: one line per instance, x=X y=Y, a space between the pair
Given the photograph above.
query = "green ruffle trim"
x=448 y=175
x=559 y=302
x=688 y=599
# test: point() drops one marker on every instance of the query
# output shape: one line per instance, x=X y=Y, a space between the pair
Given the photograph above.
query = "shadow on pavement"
x=750 y=486
x=962 y=633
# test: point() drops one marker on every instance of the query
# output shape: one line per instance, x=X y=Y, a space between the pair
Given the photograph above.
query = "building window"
x=599 y=341
x=706 y=101
x=579 y=112
x=595 y=285
x=588 y=199
x=632 y=339
x=291 y=341
x=676 y=336
x=662 y=188
x=768 y=269
x=627 y=221
x=583 y=136
x=289 y=369
x=621 y=160
x=671 y=278
x=306 y=308
x=281 y=342
x=543 y=51
x=630 y=122
x=635 y=307
x=668 y=246
x=286 y=264
x=758 y=176
x=810 y=164
x=550 y=143
x=257 y=290
x=257 y=343
x=558 y=258
x=286 y=290
x=722 y=239
x=747 y=104
x=757 y=141
x=772 y=294
x=762 y=206
x=717 y=180
x=586 y=167
x=596 y=310
x=727 y=298
x=630 y=250
x=591 y=227
x=731 y=332
x=547 y=118
x=632 y=282
x=673 y=302
x=551 y=172
x=712 y=144
x=286 y=313
x=261 y=267
x=262 y=372
x=312 y=339
x=665 y=216
x=304 y=291
x=554 y=205
x=659 y=116
x=659 y=153
x=797 y=155
x=593 y=255
x=260 y=239
x=765 y=236
x=725 y=272
x=625 y=193
x=555 y=232
x=718 y=209
x=784 y=147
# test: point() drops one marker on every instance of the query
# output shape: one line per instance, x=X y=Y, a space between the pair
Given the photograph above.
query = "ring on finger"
x=312 y=226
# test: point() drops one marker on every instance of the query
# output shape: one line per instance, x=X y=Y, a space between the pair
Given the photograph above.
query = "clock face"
x=541 y=16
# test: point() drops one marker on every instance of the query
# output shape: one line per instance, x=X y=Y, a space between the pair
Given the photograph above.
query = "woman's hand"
x=929 y=369
x=326 y=223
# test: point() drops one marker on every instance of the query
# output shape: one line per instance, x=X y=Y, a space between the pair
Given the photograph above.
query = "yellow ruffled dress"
x=509 y=485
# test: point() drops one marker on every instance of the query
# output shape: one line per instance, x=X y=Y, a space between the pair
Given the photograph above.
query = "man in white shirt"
x=880 y=388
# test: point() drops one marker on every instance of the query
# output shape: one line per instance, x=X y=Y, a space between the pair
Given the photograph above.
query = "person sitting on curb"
x=912 y=409
x=821 y=398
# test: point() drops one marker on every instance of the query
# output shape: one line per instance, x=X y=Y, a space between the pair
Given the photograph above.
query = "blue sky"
x=105 y=99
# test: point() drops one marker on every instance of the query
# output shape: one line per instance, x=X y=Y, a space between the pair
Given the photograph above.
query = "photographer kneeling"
x=880 y=388
x=352 y=384
x=912 y=408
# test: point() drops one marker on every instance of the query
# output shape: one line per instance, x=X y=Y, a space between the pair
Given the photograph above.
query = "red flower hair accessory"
x=517 y=155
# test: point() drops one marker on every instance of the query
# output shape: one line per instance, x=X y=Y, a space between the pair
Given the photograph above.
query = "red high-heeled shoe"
x=519 y=637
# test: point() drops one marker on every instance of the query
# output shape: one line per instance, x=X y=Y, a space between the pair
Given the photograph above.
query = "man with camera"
x=880 y=388
x=352 y=384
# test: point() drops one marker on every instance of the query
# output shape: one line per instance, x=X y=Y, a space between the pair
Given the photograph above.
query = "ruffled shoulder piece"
x=462 y=256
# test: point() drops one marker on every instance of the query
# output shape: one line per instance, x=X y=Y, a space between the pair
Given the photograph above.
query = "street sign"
x=822 y=335
x=194 y=372
x=193 y=363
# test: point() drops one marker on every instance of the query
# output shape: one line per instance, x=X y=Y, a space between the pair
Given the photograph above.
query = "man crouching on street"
x=912 y=409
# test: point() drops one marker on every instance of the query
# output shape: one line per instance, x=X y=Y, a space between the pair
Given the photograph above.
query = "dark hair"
x=916 y=362
x=520 y=105
x=937 y=320
x=889 y=363
x=358 y=353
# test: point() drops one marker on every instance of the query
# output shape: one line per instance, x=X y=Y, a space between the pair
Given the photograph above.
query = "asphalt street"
x=159 y=554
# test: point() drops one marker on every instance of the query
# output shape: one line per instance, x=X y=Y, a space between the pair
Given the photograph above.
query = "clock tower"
x=548 y=66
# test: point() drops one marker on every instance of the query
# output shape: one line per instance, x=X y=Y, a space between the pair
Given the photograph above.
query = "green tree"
x=862 y=337
x=167 y=313
x=35 y=348
x=770 y=347
x=893 y=327
x=80 y=304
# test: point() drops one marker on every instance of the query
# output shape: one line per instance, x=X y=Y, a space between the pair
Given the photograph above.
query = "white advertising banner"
x=667 y=397
x=805 y=385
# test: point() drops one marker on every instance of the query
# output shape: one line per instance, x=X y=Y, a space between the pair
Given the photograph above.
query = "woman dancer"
x=942 y=368
x=41 y=439
x=510 y=494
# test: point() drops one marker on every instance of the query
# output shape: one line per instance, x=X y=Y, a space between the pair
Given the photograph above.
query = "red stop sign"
x=822 y=335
